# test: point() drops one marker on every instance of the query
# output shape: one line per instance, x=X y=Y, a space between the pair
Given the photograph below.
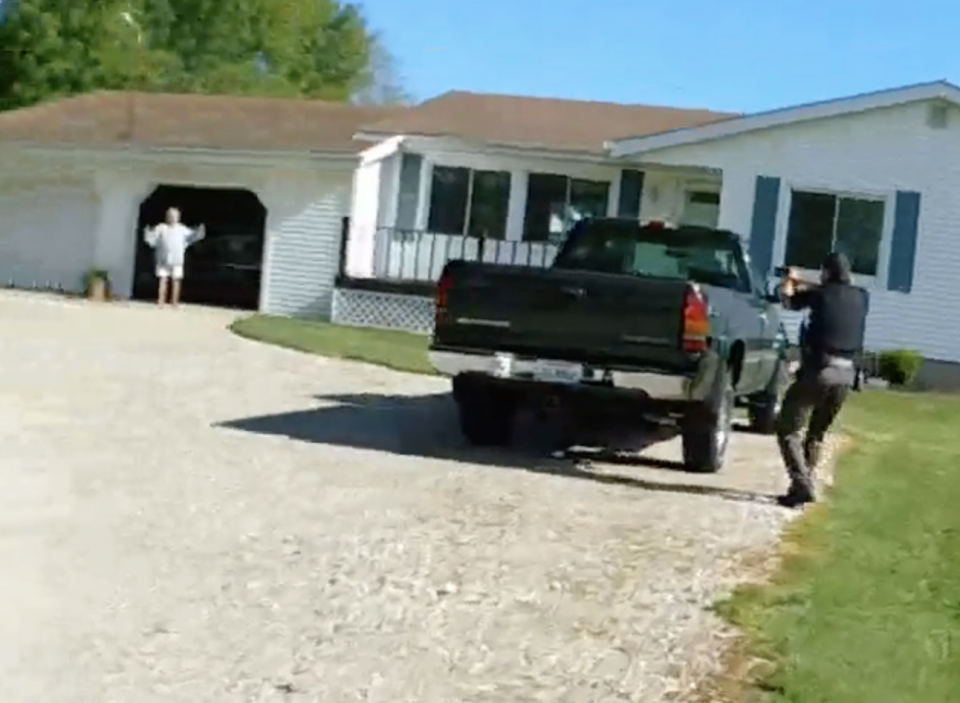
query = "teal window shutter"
x=631 y=190
x=763 y=227
x=903 y=244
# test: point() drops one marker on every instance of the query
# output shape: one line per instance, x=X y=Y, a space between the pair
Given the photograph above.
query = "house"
x=80 y=177
x=872 y=175
x=496 y=178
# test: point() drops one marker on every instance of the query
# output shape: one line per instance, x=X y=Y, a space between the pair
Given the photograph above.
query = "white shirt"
x=170 y=242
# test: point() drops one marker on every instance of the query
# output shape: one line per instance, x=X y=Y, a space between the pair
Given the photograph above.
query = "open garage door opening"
x=225 y=268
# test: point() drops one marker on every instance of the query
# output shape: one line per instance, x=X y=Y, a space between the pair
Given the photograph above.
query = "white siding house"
x=391 y=238
x=55 y=229
x=74 y=173
x=873 y=175
x=899 y=149
x=500 y=179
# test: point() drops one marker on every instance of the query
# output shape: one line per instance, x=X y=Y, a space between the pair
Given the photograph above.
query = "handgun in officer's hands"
x=788 y=273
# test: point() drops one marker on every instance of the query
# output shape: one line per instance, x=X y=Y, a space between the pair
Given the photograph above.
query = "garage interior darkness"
x=225 y=268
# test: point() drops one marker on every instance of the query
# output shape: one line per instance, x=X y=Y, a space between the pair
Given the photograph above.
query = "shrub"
x=900 y=366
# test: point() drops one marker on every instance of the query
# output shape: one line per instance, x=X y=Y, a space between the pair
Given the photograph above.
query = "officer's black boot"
x=799 y=494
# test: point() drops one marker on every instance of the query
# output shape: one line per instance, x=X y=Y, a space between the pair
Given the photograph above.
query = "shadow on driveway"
x=426 y=426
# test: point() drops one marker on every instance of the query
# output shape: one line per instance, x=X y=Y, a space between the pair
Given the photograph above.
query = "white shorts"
x=174 y=272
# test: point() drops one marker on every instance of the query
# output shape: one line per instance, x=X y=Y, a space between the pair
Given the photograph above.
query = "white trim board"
x=381 y=150
x=937 y=90
x=422 y=143
x=180 y=154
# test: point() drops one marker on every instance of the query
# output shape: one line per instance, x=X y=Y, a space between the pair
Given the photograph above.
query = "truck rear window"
x=688 y=253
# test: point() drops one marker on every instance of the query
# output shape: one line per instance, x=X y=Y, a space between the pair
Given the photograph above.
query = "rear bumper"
x=697 y=385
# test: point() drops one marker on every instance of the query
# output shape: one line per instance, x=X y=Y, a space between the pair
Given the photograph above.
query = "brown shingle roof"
x=192 y=121
x=565 y=125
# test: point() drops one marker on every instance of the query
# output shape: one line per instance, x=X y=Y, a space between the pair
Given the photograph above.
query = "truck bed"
x=585 y=316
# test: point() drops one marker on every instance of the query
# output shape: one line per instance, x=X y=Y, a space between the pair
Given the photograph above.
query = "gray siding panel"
x=48 y=236
x=304 y=256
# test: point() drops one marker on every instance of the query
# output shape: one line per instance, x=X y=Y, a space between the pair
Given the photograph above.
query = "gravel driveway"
x=188 y=516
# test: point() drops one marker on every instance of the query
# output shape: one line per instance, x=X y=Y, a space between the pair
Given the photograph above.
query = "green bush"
x=900 y=366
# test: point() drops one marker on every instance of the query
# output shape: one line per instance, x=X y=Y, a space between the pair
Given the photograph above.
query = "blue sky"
x=742 y=55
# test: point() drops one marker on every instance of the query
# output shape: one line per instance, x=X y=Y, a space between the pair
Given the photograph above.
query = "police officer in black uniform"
x=830 y=349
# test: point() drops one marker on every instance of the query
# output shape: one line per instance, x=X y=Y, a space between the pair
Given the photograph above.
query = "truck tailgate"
x=563 y=314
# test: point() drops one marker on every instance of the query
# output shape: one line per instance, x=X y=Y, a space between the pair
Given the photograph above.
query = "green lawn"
x=402 y=351
x=867 y=606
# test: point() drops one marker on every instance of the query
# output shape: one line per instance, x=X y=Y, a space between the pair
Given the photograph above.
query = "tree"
x=382 y=82
x=309 y=48
x=55 y=47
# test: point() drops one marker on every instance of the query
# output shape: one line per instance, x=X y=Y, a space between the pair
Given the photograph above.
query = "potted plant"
x=97 y=285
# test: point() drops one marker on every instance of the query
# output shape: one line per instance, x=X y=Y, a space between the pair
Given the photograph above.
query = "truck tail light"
x=658 y=224
x=444 y=286
x=696 y=321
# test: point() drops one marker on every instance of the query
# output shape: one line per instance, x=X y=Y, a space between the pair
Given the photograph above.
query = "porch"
x=511 y=216
x=405 y=228
x=419 y=255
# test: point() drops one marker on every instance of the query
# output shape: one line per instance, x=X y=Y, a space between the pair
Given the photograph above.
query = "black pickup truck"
x=632 y=322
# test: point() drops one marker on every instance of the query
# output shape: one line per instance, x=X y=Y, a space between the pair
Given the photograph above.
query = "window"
x=555 y=202
x=822 y=222
x=464 y=201
x=616 y=247
x=701 y=209
x=489 y=201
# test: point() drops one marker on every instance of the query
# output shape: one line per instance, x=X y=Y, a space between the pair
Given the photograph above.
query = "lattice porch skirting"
x=363 y=308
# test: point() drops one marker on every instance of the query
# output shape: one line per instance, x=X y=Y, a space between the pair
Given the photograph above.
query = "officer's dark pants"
x=811 y=403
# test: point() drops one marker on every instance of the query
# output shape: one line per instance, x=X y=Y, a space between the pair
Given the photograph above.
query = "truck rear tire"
x=706 y=433
x=486 y=414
